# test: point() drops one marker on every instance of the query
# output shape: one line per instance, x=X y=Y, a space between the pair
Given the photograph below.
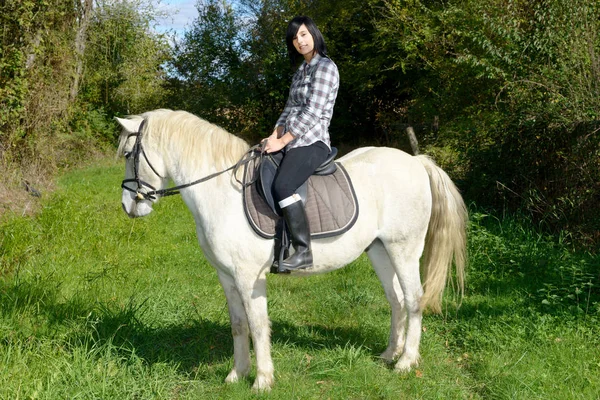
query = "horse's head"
x=144 y=167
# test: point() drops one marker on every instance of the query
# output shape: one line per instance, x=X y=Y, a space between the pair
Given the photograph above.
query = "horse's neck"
x=185 y=164
x=221 y=190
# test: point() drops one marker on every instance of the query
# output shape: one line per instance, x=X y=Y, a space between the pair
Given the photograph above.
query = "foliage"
x=30 y=57
x=516 y=87
x=45 y=122
x=208 y=79
x=96 y=305
x=232 y=65
x=512 y=86
x=124 y=59
x=555 y=278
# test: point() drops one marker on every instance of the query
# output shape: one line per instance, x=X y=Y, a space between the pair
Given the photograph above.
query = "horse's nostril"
x=123 y=206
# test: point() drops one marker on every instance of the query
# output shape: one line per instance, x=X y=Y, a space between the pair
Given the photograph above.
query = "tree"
x=232 y=65
x=34 y=71
x=80 y=41
x=124 y=59
x=207 y=63
x=55 y=108
x=514 y=83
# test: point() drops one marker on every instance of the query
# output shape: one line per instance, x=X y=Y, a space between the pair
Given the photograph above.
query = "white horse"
x=409 y=208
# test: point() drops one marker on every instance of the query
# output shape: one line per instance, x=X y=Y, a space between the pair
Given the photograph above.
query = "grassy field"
x=94 y=305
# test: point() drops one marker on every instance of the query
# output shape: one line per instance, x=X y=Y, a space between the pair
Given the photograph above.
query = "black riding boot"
x=278 y=246
x=297 y=224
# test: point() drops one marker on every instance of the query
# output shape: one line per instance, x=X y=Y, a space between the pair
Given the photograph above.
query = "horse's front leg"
x=253 y=291
x=239 y=330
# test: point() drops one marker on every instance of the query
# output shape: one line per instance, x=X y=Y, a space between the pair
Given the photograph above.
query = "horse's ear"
x=130 y=125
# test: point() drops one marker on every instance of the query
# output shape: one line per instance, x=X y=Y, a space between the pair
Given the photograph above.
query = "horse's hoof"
x=389 y=356
x=405 y=364
x=234 y=377
x=262 y=383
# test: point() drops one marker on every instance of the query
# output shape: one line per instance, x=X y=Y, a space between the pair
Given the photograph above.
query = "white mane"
x=200 y=142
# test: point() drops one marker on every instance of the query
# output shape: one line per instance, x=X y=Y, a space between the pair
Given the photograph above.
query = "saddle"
x=268 y=169
x=328 y=195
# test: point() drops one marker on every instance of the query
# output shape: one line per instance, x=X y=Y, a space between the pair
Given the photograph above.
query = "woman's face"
x=304 y=42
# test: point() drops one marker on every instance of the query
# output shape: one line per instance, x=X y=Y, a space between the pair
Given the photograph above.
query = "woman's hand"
x=274 y=144
x=277 y=140
x=273 y=136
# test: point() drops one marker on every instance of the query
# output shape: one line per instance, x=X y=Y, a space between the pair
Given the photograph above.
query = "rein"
x=256 y=151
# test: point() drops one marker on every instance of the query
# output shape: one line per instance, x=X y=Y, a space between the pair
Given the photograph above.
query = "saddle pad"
x=331 y=205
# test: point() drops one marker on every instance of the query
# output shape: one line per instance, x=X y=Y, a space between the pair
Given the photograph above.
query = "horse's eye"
x=127 y=154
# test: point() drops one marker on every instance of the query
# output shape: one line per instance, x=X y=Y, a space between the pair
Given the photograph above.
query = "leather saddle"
x=268 y=169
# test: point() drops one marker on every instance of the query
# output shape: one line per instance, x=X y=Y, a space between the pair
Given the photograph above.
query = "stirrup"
x=284 y=251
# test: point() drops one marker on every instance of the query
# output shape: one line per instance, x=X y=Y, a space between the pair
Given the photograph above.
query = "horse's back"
x=386 y=166
x=393 y=187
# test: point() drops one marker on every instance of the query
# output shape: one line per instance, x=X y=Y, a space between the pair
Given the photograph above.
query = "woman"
x=302 y=131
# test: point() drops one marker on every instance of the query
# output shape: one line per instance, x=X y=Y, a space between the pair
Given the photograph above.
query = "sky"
x=180 y=13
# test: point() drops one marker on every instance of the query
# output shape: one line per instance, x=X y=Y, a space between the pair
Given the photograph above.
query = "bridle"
x=253 y=153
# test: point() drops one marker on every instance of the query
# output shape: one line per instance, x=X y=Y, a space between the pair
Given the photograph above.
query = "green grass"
x=94 y=305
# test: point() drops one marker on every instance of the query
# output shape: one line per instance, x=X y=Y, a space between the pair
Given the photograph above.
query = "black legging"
x=297 y=166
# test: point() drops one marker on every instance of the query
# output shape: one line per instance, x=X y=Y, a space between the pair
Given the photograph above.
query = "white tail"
x=446 y=239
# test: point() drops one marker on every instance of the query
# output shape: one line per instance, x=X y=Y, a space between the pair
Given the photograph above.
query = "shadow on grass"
x=97 y=327
x=39 y=296
x=202 y=341
x=187 y=345
x=80 y=322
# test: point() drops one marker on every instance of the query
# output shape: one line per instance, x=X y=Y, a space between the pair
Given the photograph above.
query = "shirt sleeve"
x=324 y=80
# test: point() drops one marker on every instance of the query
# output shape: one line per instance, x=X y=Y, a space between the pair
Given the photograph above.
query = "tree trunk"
x=32 y=50
x=414 y=144
x=80 y=41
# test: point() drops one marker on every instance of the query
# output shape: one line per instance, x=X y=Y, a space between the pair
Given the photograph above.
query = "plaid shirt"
x=310 y=103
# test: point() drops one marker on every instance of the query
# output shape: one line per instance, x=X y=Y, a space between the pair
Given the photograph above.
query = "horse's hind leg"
x=239 y=330
x=393 y=292
x=405 y=259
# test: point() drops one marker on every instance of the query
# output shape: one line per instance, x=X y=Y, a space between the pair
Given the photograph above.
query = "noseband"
x=253 y=153
x=135 y=152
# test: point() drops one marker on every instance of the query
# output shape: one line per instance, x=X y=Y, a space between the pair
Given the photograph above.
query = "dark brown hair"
x=293 y=27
